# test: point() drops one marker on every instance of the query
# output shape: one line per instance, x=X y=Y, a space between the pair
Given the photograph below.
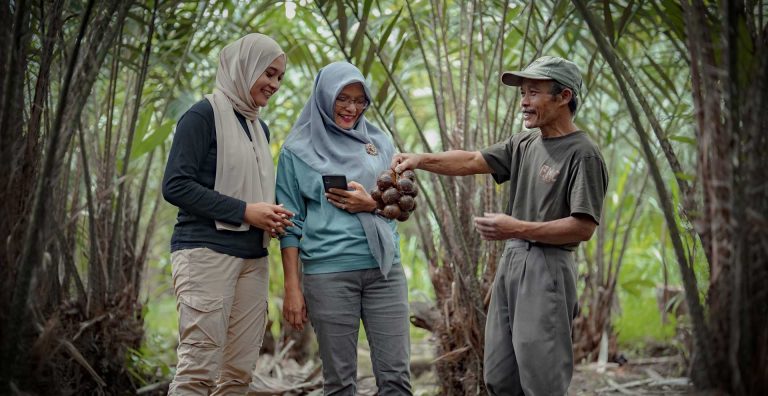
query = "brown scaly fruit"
x=390 y=196
x=413 y=192
x=404 y=215
x=376 y=194
x=407 y=203
x=391 y=211
x=405 y=185
x=385 y=180
x=409 y=174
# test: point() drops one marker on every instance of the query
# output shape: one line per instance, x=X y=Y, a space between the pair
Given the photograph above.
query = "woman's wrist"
x=291 y=285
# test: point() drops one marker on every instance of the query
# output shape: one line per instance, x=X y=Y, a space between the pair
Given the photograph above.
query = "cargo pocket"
x=201 y=321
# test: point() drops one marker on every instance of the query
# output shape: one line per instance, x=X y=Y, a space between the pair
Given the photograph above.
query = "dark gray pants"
x=335 y=304
x=528 y=347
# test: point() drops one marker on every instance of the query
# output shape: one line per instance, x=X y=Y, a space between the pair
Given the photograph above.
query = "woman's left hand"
x=354 y=201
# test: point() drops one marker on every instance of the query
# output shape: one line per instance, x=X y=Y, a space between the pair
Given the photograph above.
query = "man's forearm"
x=454 y=163
x=556 y=232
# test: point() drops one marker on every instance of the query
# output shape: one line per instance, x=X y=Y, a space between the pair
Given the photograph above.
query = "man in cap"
x=558 y=182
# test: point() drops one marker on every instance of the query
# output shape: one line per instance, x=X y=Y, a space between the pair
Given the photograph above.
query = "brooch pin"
x=371 y=149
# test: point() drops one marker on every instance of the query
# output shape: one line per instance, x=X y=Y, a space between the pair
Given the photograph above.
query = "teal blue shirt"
x=329 y=239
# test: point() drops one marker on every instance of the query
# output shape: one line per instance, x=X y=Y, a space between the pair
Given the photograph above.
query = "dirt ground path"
x=642 y=379
x=643 y=376
x=664 y=375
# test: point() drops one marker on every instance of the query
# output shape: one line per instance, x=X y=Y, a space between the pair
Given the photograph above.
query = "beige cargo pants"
x=222 y=305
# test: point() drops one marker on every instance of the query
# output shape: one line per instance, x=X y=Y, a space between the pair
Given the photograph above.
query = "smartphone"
x=334 y=181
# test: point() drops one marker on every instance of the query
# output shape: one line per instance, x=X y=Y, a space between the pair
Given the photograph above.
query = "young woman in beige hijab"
x=221 y=176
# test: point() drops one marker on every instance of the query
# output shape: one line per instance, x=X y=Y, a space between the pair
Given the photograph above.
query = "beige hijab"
x=244 y=168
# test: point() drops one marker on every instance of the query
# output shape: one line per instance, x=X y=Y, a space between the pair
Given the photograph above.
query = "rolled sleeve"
x=288 y=194
x=289 y=241
x=588 y=188
x=499 y=158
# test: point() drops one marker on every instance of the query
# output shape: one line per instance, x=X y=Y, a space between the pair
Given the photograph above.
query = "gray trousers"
x=336 y=303
x=528 y=347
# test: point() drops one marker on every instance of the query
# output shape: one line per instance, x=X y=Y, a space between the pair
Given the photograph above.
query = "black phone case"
x=334 y=181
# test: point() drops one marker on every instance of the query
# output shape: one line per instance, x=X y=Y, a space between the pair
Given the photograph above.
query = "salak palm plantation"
x=675 y=96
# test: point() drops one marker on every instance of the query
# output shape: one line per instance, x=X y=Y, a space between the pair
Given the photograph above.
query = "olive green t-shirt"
x=551 y=178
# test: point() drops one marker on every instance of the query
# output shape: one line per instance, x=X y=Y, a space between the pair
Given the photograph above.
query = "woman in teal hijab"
x=350 y=256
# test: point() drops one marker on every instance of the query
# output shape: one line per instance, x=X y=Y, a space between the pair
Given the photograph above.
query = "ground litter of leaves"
x=659 y=375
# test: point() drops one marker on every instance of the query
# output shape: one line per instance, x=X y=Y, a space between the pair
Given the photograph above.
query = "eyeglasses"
x=344 y=102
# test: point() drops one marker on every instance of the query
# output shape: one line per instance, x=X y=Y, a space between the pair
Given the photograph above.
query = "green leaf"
x=637 y=286
x=343 y=23
x=370 y=57
x=685 y=176
x=141 y=126
x=152 y=140
x=388 y=31
x=683 y=139
x=357 y=41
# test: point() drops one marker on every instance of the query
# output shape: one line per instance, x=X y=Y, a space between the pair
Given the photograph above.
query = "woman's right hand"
x=294 y=308
x=270 y=218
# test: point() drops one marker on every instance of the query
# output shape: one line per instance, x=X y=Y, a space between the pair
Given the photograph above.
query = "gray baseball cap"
x=547 y=68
